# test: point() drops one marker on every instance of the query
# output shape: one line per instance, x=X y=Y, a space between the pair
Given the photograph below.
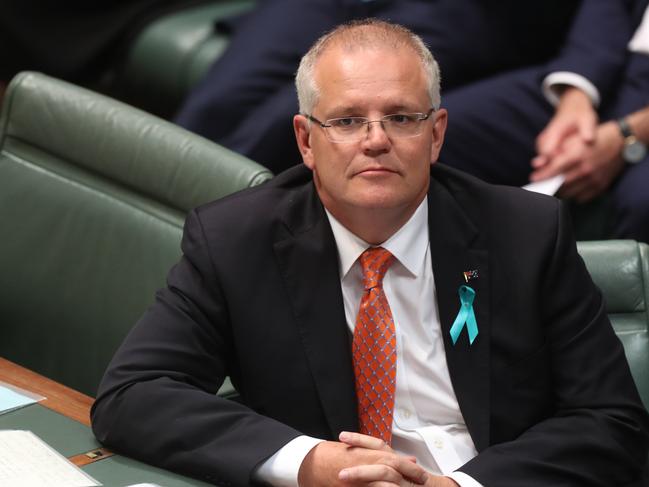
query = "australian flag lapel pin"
x=471 y=275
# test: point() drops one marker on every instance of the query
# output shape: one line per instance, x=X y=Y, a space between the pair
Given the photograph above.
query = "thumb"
x=587 y=130
x=549 y=140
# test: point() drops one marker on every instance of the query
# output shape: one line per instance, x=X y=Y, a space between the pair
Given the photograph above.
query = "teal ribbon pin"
x=465 y=316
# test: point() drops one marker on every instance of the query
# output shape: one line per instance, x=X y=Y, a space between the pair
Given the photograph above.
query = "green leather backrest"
x=173 y=53
x=621 y=270
x=93 y=195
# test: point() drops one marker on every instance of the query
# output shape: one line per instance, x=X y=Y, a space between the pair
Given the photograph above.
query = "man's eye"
x=402 y=118
x=344 y=122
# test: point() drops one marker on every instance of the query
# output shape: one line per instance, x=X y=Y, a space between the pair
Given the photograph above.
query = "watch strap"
x=625 y=128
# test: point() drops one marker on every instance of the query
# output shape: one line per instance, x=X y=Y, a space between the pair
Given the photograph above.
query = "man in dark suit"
x=494 y=364
x=246 y=99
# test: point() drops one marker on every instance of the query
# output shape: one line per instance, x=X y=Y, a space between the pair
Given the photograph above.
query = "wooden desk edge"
x=59 y=398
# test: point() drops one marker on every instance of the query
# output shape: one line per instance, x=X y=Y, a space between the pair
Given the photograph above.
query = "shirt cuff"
x=281 y=469
x=640 y=40
x=464 y=480
x=553 y=80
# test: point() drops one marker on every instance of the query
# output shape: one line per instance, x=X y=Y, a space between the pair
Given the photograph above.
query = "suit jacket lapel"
x=455 y=248
x=308 y=258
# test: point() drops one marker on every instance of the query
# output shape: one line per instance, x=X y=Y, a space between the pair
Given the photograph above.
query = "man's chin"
x=380 y=202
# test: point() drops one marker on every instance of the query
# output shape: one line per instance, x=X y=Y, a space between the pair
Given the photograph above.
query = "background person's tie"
x=374 y=349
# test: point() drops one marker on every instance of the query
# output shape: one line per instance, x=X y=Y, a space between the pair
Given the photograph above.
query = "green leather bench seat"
x=93 y=195
x=173 y=53
x=621 y=270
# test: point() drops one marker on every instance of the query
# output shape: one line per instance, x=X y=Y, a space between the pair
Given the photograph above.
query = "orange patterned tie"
x=374 y=349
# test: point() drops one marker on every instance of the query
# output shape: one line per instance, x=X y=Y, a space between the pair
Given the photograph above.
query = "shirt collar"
x=408 y=244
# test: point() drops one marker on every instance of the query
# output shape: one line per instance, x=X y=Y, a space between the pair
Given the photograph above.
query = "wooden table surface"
x=59 y=398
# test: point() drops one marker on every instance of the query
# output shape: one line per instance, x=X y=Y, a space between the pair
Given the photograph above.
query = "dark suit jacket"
x=545 y=389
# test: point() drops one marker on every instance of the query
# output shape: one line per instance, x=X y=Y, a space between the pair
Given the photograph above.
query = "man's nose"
x=376 y=133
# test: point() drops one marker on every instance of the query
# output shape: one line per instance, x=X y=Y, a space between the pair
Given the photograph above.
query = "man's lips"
x=375 y=170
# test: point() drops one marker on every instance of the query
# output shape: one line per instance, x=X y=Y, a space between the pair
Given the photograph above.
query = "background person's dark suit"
x=494 y=124
x=545 y=390
x=82 y=42
x=247 y=99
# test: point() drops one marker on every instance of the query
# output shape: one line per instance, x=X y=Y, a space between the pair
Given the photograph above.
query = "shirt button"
x=405 y=413
x=439 y=444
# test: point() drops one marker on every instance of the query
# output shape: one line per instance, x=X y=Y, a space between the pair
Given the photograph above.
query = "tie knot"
x=375 y=262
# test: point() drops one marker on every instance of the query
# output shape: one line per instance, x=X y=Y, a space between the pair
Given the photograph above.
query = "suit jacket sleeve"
x=157 y=401
x=595 y=46
x=596 y=431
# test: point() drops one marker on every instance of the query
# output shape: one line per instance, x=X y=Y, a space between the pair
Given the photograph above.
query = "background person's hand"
x=574 y=118
x=589 y=169
x=598 y=168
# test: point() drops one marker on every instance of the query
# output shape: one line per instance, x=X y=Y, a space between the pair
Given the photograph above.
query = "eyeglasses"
x=353 y=129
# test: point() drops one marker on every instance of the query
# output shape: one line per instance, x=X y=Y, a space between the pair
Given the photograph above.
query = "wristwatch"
x=634 y=150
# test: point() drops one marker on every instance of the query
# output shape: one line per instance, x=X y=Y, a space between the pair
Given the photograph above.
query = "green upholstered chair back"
x=621 y=270
x=173 y=53
x=93 y=195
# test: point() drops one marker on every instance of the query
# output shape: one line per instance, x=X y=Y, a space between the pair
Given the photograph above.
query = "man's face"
x=376 y=172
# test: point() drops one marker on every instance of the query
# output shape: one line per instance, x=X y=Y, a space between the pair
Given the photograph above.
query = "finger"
x=405 y=465
x=370 y=473
x=571 y=182
x=539 y=161
x=408 y=469
x=377 y=475
x=573 y=175
x=363 y=441
x=572 y=189
x=565 y=161
x=588 y=130
x=550 y=139
x=544 y=142
x=545 y=172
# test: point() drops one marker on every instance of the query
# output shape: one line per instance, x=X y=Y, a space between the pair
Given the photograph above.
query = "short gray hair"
x=362 y=34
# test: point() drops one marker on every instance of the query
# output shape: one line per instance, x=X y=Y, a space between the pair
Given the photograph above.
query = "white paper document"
x=27 y=461
x=13 y=398
x=546 y=186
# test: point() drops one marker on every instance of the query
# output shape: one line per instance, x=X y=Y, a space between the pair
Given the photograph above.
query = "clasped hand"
x=360 y=460
x=587 y=154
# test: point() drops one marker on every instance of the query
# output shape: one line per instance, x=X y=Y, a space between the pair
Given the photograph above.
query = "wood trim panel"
x=59 y=398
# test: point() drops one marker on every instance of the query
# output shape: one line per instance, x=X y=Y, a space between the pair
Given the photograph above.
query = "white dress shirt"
x=427 y=419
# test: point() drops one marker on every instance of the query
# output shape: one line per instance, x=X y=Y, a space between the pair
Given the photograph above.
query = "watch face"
x=634 y=152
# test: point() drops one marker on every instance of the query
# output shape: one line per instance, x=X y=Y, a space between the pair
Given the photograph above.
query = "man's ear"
x=439 y=129
x=303 y=138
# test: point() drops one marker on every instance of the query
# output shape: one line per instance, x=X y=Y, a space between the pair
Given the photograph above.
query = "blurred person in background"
x=81 y=42
x=247 y=97
x=505 y=131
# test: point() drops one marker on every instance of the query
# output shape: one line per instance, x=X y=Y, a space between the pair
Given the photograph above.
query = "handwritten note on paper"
x=28 y=461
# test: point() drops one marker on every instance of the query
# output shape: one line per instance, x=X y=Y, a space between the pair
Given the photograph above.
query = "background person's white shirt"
x=640 y=40
x=638 y=43
x=427 y=419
